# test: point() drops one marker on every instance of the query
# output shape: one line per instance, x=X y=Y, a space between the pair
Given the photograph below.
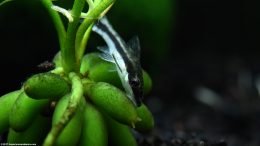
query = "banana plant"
x=81 y=102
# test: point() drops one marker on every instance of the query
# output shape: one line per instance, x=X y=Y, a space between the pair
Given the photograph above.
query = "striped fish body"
x=126 y=57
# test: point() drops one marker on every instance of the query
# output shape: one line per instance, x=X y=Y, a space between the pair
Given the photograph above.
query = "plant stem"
x=68 y=53
x=91 y=17
x=56 y=20
x=76 y=95
x=81 y=48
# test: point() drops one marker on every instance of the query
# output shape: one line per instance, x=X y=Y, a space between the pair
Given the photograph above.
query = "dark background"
x=186 y=44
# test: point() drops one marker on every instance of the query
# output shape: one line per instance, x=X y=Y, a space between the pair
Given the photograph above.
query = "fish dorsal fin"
x=103 y=49
x=107 y=57
x=134 y=47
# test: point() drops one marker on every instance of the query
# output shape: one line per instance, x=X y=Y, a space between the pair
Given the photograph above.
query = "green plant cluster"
x=80 y=102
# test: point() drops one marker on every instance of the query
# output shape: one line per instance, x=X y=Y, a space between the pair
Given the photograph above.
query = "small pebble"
x=202 y=143
x=176 y=142
x=222 y=143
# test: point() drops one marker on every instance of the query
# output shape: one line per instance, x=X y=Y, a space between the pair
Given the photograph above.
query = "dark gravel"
x=196 y=124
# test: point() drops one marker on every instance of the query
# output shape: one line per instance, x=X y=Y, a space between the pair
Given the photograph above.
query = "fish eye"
x=135 y=83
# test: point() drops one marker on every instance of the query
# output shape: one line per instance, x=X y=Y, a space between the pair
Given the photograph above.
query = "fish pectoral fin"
x=107 y=57
x=116 y=62
x=112 y=69
x=134 y=47
x=103 y=49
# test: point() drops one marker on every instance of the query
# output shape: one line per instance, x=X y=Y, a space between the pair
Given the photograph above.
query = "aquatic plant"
x=79 y=102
